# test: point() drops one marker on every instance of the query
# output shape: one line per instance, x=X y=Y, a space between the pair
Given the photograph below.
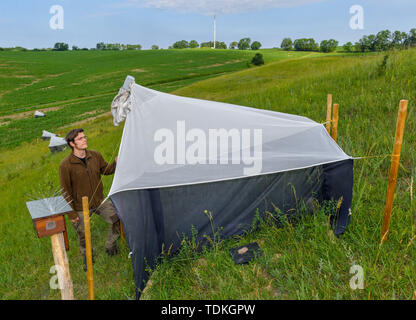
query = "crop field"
x=73 y=86
x=300 y=261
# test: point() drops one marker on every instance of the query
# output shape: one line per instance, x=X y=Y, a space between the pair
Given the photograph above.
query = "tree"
x=75 y=48
x=181 y=44
x=411 y=38
x=306 y=45
x=366 y=43
x=60 y=46
x=112 y=46
x=233 y=45
x=244 y=43
x=382 y=41
x=329 y=45
x=398 y=39
x=193 y=44
x=220 y=45
x=208 y=44
x=257 y=59
x=348 y=47
x=255 y=45
x=155 y=47
x=286 y=44
x=131 y=47
x=100 y=46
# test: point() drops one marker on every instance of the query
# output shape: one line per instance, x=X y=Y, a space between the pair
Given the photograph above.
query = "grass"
x=68 y=86
x=304 y=261
x=301 y=260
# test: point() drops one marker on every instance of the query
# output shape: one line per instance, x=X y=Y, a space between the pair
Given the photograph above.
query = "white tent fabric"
x=39 y=114
x=47 y=135
x=170 y=140
x=57 y=142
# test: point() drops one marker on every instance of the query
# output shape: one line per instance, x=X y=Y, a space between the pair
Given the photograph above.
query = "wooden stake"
x=66 y=238
x=86 y=212
x=123 y=237
x=335 y=122
x=328 y=113
x=60 y=258
x=395 y=158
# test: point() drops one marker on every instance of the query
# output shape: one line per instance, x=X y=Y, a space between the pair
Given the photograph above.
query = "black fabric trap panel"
x=160 y=218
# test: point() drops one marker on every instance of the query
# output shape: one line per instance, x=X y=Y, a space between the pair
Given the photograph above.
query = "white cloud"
x=210 y=7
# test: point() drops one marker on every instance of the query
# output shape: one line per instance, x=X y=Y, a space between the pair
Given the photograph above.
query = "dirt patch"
x=96 y=78
x=79 y=123
x=138 y=70
x=47 y=88
x=55 y=75
x=211 y=66
x=28 y=114
x=23 y=76
x=219 y=64
x=88 y=113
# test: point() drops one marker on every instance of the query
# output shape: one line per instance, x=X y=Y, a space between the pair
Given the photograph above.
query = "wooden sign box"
x=48 y=217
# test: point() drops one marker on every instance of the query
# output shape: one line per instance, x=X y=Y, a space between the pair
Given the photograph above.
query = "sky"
x=162 y=22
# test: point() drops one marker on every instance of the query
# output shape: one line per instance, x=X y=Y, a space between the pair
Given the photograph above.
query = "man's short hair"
x=71 y=135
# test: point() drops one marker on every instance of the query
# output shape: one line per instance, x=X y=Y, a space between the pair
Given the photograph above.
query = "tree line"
x=382 y=41
x=243 y=44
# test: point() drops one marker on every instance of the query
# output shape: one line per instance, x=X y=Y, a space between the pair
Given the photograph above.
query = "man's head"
x=76 y=139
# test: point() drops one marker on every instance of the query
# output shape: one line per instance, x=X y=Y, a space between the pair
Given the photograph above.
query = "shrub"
x=257 y=59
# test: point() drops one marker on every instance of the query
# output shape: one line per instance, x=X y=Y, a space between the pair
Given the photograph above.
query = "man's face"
x=80 y=141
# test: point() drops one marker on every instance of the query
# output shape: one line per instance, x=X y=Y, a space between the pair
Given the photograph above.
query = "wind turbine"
x=215 y=30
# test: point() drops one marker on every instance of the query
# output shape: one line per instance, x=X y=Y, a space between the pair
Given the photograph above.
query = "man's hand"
x=75 y=220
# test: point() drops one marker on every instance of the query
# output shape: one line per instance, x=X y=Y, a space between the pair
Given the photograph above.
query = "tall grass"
x=304 y=261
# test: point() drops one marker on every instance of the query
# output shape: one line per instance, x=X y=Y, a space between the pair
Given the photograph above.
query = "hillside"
x=74 y=86
x=300 y=261
x=304 y=261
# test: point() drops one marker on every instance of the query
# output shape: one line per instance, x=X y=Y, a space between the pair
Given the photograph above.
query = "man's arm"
x=105 y=168
x=66 y=189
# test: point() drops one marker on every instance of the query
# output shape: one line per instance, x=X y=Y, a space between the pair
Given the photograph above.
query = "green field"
x=73 y=86
x=301 y=261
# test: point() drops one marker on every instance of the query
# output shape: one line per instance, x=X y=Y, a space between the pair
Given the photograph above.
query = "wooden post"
x=86 y=212
x=66 y=239
x=395 y=158
x=60 y=258
x=123 y=237
x=335 y=122
x=328 y=113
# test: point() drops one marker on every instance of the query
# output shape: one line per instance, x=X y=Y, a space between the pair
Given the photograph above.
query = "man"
x=80 y=175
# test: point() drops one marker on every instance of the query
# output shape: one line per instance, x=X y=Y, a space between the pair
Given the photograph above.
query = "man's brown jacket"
x=79 y=180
